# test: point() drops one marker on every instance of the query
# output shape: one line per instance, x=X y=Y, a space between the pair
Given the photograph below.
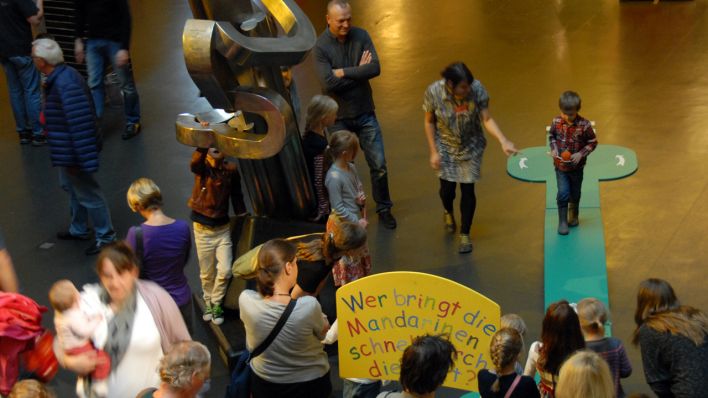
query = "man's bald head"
x=337 y=3
x=339 y=18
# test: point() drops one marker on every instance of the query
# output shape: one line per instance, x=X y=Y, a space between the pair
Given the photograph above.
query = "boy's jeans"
x=215 y=257
x=569 y=185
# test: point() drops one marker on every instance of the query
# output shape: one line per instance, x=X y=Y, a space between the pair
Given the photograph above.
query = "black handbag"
x=240 y=385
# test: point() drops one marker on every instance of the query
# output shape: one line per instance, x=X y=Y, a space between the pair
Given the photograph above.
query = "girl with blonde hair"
x=321 y=114
x=593 y=317
x=504 y=351
x=585 y=374
x=346 y=195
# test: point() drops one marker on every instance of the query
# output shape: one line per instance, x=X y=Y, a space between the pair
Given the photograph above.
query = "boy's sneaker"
x=207 y=313
x=217 y=314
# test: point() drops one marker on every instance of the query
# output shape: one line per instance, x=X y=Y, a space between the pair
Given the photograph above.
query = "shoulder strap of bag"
x=276 y=329
x=513 y=386
x=139 y=243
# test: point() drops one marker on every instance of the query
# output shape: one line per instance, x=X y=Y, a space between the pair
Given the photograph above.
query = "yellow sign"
x=381 y=314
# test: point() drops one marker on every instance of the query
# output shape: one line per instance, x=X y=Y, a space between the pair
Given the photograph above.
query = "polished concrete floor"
x=640 y=68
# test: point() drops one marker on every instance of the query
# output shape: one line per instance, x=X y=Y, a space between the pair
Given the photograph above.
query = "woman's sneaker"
x=465 y=244
x=207 y=313
x=217 y=314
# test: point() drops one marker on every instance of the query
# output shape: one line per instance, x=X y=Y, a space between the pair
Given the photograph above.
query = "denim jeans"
x=87 y=201
x=367 y=128
x=97 y=52
x=23 y=80
x=569 y=185
x=215 y=256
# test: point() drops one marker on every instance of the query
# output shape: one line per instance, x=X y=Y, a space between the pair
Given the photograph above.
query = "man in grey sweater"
x=346 y=59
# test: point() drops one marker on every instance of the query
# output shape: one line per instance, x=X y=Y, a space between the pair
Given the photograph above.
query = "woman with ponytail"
x=294 y=364
x=593 y=317
x=672 y=338
x=504 y=382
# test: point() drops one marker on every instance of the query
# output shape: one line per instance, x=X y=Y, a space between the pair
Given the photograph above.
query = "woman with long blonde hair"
x=585 y=374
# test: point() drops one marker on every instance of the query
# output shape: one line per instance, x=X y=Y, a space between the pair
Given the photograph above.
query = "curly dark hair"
x=425 y=364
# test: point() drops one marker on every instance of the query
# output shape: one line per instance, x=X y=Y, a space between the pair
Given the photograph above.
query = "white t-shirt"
x=296 y=355
x=534 y=353
x=138 y=369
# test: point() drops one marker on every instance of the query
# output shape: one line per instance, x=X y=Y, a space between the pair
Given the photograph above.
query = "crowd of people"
x=129 y=335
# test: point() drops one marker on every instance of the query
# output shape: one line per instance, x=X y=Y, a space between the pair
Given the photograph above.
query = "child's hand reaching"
x=361 y=199
x=363 y=222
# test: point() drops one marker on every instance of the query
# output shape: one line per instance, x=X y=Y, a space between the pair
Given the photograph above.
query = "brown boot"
x=573 y=210
x=563 y=220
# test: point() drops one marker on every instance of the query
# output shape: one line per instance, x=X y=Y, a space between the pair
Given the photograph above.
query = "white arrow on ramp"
x=522 y=163
x=620 y=160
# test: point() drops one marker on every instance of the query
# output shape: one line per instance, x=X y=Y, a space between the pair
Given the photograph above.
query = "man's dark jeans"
x=367 y=128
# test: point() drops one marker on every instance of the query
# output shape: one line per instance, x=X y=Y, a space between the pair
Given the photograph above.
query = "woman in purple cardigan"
x=166 y=244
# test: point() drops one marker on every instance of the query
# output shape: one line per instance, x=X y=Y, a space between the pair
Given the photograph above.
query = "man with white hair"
x=71 y=131
x=23 y=81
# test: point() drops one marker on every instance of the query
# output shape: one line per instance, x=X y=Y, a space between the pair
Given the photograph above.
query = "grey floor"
x=640 y=68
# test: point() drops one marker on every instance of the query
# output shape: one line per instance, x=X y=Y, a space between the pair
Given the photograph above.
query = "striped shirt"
x=614 y=353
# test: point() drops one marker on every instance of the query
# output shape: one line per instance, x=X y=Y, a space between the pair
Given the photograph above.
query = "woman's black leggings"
x=468 y=203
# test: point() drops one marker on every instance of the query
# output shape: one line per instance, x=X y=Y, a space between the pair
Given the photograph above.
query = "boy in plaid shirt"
x=572 y=139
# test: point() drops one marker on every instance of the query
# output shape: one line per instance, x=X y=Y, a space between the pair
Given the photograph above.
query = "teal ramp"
x=574 y=265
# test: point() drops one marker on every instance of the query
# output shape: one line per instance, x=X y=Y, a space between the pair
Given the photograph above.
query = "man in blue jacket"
x=71 y=132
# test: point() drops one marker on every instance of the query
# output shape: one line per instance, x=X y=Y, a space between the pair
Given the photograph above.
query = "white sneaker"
x=217 y=314
x=207 y=314
x=100 y=388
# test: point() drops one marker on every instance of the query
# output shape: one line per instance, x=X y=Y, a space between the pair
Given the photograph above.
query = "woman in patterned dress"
x=456 y=107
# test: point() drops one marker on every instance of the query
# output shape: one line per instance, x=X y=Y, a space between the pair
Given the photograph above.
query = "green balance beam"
x=575 y=266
